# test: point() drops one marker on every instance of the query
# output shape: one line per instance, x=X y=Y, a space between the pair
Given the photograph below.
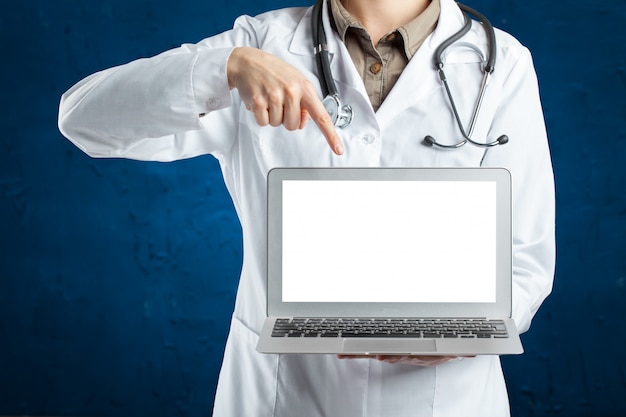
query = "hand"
x=415 y=360
x=278 y=93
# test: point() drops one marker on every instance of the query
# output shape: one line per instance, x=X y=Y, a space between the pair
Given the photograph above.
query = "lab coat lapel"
x=302 y=41
x=342 y=67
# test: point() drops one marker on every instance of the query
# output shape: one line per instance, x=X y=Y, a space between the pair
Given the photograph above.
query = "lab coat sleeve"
x=527 y=157
x=160 y=108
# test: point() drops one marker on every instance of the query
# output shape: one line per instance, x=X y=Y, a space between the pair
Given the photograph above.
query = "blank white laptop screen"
x=389 y=241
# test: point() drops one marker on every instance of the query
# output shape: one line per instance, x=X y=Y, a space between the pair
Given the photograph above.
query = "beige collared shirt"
x=380 y=66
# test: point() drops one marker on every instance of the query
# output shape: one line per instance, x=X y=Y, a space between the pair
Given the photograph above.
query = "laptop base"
x=443 y=346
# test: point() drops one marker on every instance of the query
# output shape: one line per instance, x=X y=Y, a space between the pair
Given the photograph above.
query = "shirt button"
x=376 y=67
x=368 y=138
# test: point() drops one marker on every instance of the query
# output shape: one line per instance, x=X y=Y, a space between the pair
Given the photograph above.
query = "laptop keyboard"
x=391 y=328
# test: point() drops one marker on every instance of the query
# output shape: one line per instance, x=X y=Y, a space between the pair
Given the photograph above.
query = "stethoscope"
x=342 y=114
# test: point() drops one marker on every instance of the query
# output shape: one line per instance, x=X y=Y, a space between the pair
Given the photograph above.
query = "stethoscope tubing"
x=321 y=51
x=343 y=114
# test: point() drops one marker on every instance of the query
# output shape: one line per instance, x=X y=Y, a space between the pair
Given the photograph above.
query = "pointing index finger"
x=322 y=119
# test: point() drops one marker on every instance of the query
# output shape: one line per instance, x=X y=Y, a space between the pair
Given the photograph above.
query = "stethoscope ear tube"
x=490 y=66
x=487 y=70
x=438 y=55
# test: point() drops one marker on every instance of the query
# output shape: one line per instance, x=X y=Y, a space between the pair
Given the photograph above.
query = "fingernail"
x=339 y=149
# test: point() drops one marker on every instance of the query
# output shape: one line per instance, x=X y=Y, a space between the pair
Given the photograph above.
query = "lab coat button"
x=368 y=138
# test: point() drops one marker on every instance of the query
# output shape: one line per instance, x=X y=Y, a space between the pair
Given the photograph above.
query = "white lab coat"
x=148 y=110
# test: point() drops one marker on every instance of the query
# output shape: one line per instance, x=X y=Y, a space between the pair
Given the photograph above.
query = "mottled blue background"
x=117 y=278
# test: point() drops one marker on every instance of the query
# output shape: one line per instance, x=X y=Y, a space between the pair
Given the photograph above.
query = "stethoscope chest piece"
x=340 y=115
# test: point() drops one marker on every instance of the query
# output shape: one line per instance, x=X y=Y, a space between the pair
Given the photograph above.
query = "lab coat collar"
x=450 y=21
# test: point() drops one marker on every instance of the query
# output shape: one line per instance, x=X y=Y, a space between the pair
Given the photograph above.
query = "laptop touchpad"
x=389 y=346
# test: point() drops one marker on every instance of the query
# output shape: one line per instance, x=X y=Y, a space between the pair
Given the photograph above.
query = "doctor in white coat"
x=245 y=96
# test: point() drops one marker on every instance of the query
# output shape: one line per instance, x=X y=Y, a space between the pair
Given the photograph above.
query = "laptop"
x=399 y=261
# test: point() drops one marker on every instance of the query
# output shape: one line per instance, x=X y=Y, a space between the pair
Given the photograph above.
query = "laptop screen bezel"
x=500 y=308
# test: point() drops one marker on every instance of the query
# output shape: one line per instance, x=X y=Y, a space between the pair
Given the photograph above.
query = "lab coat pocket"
x=320 y=386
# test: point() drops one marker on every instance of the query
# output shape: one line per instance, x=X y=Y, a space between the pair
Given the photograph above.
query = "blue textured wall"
x=117 y=278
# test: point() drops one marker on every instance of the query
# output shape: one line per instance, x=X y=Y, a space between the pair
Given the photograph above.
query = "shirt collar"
x=413 y=33
x=342 y=20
